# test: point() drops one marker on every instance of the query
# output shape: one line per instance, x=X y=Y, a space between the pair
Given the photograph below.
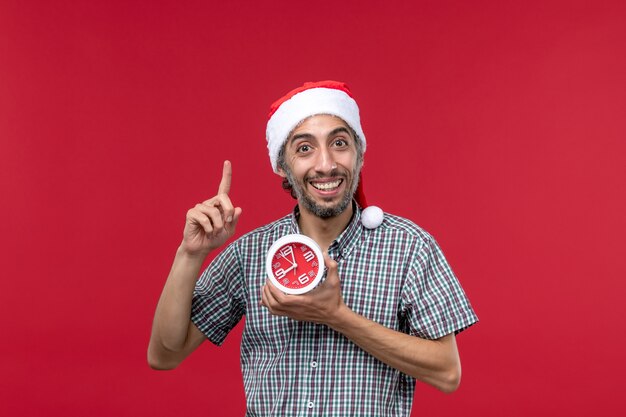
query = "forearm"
x=170 y=328
x=208 y=226
x=435 y=362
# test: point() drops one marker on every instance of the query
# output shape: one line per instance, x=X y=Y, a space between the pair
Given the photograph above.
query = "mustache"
x=335 y=173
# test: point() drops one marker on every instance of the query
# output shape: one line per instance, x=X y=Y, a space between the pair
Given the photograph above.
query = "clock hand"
x=294 y=261
x=285 y=258
x=292 y=258
x=290 y=268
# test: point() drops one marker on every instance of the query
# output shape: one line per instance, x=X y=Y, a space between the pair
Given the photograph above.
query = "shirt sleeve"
x=433 y=301
x=219 y=297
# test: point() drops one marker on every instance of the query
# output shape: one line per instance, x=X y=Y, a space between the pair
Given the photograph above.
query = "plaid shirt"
x=395 y=275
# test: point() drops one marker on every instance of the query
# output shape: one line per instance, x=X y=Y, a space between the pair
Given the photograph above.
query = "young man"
x=385 y=315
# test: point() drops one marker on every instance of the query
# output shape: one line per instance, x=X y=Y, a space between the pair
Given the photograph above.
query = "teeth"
x=326 y=185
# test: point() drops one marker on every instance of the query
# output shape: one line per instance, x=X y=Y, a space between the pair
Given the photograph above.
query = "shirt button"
x=313 y=364
x=310 y=404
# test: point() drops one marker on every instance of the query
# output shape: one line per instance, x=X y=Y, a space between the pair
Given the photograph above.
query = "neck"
x=324 y=231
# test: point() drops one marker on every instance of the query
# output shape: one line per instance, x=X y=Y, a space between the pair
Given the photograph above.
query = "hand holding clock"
x=211 y=223
x=320 y=305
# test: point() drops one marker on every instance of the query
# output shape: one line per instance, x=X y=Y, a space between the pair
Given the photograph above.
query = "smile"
x=326 y=186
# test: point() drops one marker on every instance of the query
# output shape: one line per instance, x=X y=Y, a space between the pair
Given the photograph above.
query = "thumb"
x=236 y=215
x=331 y=273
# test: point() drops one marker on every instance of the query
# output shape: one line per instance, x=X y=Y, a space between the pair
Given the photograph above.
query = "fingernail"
x=229 y=219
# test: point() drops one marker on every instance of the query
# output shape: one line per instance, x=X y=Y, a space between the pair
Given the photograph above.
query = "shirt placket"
x=309 y=365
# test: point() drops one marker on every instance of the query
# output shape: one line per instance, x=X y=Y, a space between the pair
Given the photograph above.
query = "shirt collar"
x=346 y=241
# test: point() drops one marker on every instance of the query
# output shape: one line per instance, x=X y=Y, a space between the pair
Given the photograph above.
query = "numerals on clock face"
x=295 y=264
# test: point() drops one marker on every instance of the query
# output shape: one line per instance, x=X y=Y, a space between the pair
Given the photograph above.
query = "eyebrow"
x=333 y=132
x=338 y=130
x=300 y=136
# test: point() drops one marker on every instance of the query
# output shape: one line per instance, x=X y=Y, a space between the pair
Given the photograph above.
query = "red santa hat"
x=313 y=98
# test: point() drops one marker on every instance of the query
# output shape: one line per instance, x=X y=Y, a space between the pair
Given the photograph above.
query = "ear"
x=281 y=172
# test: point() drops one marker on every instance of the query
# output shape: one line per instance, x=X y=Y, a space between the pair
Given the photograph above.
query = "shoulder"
x=405 y=228
x=420 y=245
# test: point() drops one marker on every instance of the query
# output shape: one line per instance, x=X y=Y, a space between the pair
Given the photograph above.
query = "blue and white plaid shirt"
x=395 y=275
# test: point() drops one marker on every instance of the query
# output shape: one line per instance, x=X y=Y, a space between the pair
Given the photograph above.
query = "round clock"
x=295 y=264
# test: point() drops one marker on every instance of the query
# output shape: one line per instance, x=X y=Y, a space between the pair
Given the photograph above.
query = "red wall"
x=497 y=126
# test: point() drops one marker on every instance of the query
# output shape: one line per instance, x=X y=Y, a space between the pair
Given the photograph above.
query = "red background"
x=497 y=126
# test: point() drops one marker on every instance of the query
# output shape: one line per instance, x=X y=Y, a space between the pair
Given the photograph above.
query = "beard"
x=322 y=211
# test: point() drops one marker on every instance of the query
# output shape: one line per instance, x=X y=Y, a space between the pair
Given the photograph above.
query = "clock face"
x=295 y=264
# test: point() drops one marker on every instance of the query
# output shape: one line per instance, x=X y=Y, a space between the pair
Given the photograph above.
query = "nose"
x=325 y=162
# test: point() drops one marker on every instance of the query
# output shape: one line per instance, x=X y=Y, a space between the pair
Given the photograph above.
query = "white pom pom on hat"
x=372 y=217
x=313 y=98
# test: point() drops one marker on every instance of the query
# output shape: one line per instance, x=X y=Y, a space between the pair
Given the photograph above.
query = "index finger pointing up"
x=227 y=175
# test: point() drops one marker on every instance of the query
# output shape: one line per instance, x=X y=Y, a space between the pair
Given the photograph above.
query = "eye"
x=340 y=142
x=303 y=148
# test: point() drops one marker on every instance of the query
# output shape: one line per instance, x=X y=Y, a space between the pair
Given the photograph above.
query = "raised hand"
x=211 y=223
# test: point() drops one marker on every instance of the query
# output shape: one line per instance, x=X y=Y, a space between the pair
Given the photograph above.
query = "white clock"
x=295 y=264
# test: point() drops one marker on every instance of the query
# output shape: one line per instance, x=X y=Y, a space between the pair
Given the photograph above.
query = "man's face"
x=322 y=165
